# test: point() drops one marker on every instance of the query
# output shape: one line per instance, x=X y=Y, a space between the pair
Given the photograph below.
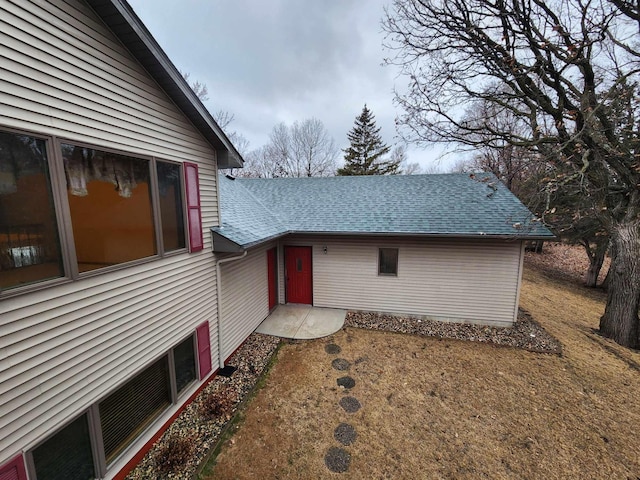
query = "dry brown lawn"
x=451 y=409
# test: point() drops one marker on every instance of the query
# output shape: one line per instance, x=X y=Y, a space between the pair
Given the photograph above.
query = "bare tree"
x=399 y=157
x=313 y=150
x=223 y=118
x=199 y=88
x=259 y=163
x=568 y=73
x=304 y=149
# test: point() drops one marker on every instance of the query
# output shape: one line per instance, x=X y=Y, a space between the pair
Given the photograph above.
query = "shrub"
x=217 y=404
x=173 y=453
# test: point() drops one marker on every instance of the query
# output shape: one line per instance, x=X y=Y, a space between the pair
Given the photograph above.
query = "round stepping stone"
x=346 y=382
x=340 y=364
x=332 y=349
x=350 y=404
x=337 y=460
x=345 y=434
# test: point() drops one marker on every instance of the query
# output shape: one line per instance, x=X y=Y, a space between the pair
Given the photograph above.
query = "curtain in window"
x=83 y=165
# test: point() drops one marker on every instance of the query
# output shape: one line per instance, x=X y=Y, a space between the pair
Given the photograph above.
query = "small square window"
x=388 y=261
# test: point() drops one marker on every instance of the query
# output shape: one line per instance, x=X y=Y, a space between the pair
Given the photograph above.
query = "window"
x=193 y=207
x=29 y=240
x=111 y=209
x=184 y=362
x=67 y=454
x=90 y=444
x=171 y=207
x=129 y=410
x=388 y=261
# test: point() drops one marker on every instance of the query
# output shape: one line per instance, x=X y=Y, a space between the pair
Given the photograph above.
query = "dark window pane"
x=171 y=208
x=388 y=262
x=129 y=410
x=299 y=264
x=67 y=454
x=110 y=203
x=29 y=242
x=185 y=364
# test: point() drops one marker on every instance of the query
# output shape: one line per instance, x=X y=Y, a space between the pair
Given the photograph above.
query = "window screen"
x=184 y=364
x=388 y=261
x=66 y=455
x=129 y=410
x=29 y=242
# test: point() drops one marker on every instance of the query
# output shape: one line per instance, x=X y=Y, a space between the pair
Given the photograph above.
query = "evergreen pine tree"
x=366 y=150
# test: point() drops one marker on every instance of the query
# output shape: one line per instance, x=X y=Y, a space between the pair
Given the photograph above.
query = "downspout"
x=219 y=294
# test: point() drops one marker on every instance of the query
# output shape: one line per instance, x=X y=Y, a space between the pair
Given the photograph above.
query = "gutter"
x=219 y=302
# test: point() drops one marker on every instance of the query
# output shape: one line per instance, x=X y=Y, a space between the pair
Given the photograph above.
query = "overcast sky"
x=284 y=60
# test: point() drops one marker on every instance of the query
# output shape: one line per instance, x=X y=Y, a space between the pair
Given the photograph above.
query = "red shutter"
x=194 y=211
x=204 y=349
x=13 y=470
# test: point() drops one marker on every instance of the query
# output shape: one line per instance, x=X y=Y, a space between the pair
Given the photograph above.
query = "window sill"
x=54 y=282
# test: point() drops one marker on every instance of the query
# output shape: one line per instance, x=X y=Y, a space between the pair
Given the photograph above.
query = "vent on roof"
x=230 y=177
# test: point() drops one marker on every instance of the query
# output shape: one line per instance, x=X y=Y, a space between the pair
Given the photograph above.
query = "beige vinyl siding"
x=245 y=297
x=65 y=347
x=67 y=75
x=445 y=279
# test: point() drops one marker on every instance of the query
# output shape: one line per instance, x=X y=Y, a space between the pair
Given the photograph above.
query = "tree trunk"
x=620 y=319
x=612 y=255
x=596 y=259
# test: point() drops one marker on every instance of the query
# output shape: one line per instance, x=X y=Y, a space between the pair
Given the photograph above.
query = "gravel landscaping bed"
x=525 y=333
x=196 y=431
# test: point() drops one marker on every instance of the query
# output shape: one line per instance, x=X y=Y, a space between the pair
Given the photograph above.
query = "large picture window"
x=29 y=240
x=115 y=209
x=111 y=208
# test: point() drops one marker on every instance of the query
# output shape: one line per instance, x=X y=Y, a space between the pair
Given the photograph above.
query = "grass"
x=451 y=409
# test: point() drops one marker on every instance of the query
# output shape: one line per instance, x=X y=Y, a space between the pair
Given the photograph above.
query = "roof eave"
x=222 y=244
x=125 y=24
x=242 y=247
x=430 y=235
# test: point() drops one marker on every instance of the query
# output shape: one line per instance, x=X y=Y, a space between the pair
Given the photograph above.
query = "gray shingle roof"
x=459 y=205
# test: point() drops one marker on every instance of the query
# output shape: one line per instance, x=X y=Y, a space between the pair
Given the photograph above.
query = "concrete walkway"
x=302 y=322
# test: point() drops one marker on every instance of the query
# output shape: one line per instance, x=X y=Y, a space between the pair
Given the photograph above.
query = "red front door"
x=271 y=272
x=298 y=272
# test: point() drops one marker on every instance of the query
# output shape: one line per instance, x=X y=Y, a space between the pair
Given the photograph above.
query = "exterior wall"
x=443 y=279
x=63 y=348
x=245 y=297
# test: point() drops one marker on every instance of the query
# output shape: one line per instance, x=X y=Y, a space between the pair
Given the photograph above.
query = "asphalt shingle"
x=254 y=210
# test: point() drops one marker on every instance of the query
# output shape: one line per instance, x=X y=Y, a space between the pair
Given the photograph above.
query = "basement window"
x=66 y=454
x=128 y=411
x=184 y=360
x=89 y=446
x=388 y=262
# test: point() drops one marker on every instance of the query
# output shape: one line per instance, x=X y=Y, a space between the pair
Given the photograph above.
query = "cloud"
x=280 y=61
